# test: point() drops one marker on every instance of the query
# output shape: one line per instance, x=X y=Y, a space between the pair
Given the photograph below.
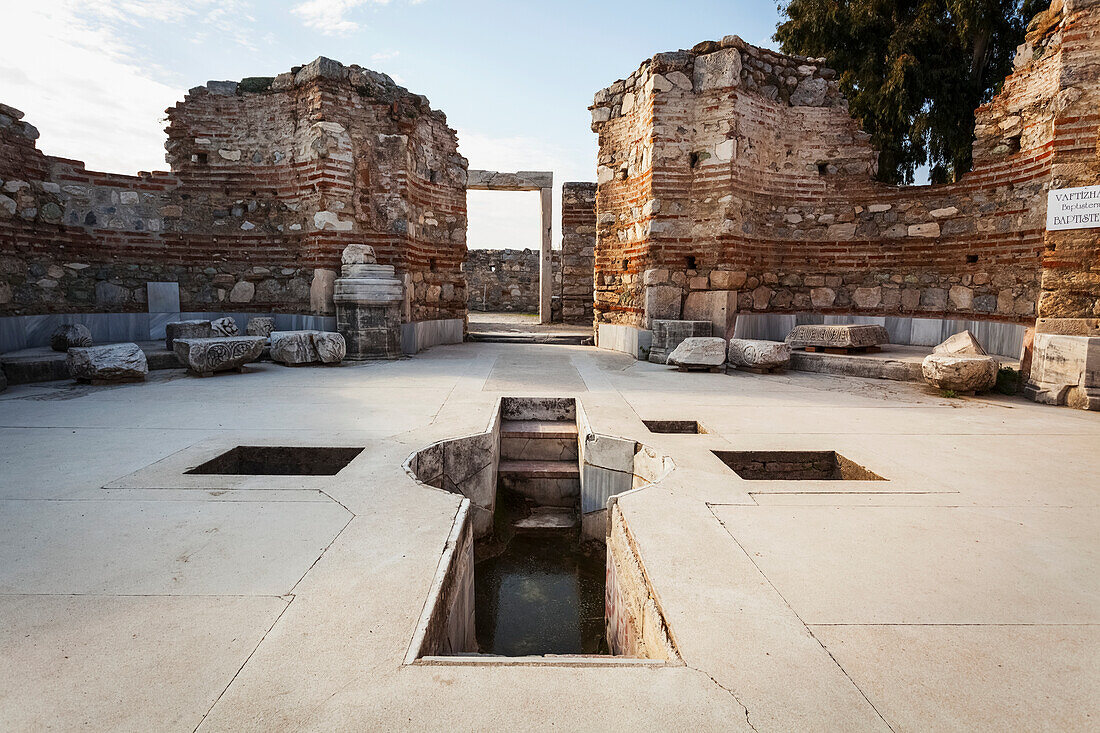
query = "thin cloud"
x=89 y=97
x=93 y=95
x=330 y=17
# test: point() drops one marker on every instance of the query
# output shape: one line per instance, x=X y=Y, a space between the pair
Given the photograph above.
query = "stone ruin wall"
x=738 y=172
x=503 y=280
x=578 y=243
x=1069 y=33
x=271 y=178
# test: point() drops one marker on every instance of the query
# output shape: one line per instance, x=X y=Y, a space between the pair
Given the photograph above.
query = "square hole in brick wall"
x=674 y=426
x=784 y=465
x=273 y=460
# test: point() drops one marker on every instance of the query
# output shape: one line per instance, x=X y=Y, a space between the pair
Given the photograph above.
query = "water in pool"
x=543 y=594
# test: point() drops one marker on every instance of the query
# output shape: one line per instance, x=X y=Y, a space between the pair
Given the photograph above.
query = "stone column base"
x=372 y=331
x=1065 y=370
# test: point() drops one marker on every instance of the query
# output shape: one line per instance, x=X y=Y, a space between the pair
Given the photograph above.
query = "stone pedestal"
x=369 y=300
x=1065 y=370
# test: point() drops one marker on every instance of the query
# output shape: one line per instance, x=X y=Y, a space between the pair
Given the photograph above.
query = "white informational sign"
x=1073 y=208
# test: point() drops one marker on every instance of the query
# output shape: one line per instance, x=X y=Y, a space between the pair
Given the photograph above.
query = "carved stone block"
x=851 y=336
x=759 y=354
x=204 y=356
x=260 y=326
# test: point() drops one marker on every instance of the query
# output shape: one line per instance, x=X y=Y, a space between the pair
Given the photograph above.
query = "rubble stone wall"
x=739 y=171
x=578 y=243
x=271 y=178
x=503 y=280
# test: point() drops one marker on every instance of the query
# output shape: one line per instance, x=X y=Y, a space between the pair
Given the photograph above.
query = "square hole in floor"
x=274 y=460
x=674 y=426
x=796 y=465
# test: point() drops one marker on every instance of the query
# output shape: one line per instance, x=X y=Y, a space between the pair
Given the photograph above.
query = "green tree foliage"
x=913 y=71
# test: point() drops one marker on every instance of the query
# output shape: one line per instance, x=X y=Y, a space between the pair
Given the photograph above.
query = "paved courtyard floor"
x=962 y=593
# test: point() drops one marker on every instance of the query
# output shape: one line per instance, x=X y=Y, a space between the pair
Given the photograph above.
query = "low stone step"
x=538 y=429
x=548 y=519
x=538 y=440
x=564 y=339
x=539 y=469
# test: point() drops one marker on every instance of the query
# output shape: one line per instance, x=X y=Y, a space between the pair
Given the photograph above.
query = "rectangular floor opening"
x=537 y=588
x=273 y=460
x=528 y=576
x=674 y=426
x=824 y=465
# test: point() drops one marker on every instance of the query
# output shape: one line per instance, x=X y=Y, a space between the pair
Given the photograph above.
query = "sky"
x=514 y=78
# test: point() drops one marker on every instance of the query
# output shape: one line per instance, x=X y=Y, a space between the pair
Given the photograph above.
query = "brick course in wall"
x=271 y=178
x=737 y=171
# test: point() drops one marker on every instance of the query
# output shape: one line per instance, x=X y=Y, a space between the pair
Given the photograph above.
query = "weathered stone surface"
x=577 y=262
x=108 y=293
x=968 y=373
x=508 y=181
x=331 y=346
x=717 y=306
x=242 y=292
x=717 y=70
x=699 y=352
x=961 y=343
x=204 y=356
x=867 y=297
x=260 y=326
x=851 y=336
x=307 y=347
x=107 y=363
x=1065 y=370
x=667 y=335
x=358 y=254
x=186 y=330
x=371 y=330
x=320 y=291
x=810 y=92
x=758 y=353
x=926 y=251
x=225 y=326
x=662 y=302
x=293 y=347
x=68 y=335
